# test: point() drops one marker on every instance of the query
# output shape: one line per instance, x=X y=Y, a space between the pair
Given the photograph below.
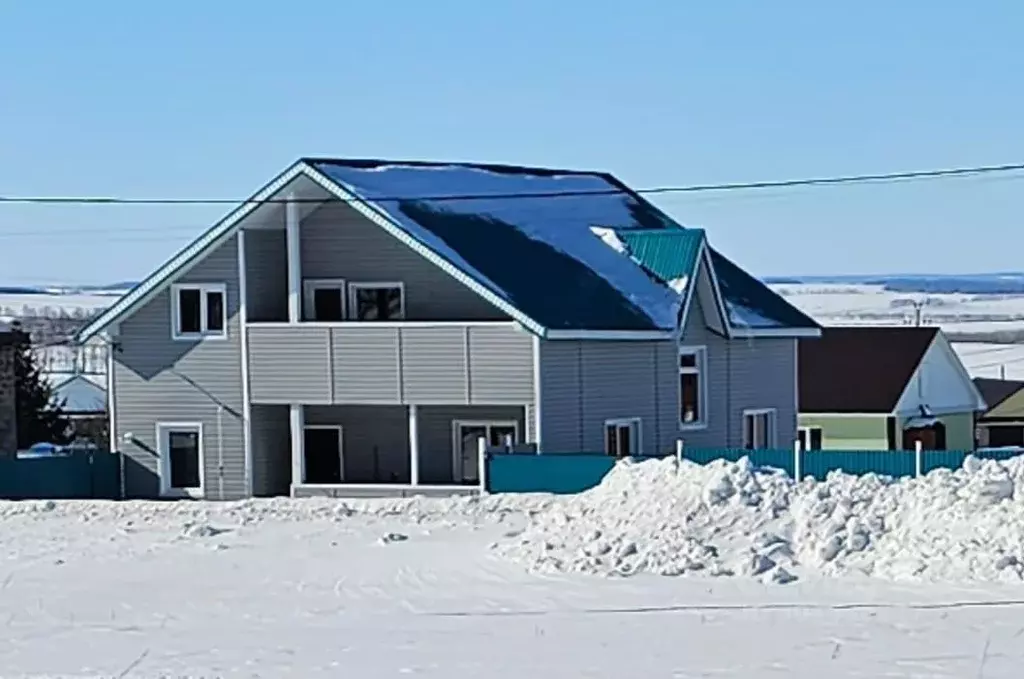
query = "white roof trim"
x=703 y=258
x=634 y=335
x=940 y=342
x=379 y=217
x=192 y=254
x=225 y=228
x=187 y=257
x=776 y=332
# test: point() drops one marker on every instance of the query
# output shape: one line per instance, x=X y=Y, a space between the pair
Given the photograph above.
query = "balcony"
x=402 y=363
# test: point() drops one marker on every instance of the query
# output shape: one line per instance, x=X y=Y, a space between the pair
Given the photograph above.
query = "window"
x=809 y=438
x=465 y=439
x=376 y=301
x=692 y=388
x=180 y=448
x=199 y=311
x=622 y=437
x=759 y=429
x=324 y=300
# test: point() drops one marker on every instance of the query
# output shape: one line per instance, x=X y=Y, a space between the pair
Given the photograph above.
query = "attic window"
x=199 y=311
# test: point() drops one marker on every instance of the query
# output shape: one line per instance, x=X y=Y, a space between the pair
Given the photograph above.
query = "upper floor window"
x=693 y=409
x=199 y=310
x=324 y=299
x=376 y=301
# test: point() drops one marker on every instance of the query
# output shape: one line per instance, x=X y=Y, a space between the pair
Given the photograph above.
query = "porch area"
x=379 y=450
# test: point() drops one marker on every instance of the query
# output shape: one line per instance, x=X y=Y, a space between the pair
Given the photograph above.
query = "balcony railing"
x=489 y=363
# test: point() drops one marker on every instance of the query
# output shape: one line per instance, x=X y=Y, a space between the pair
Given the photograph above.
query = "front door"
x=467 y=435
x=322 y=447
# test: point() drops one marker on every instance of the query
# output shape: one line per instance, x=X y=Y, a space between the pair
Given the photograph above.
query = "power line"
x=887 y=177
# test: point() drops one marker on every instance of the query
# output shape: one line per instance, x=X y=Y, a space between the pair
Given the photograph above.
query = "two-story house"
x=357 y=326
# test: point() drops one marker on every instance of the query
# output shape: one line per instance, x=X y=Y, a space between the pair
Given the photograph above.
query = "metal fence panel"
x=76 y=476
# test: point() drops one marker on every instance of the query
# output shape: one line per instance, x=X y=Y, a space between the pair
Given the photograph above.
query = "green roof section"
x=669 y=254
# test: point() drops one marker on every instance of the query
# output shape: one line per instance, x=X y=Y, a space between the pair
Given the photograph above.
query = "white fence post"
x=918 y=466
x=481 y=463
x=679 y=454
x=798 y=459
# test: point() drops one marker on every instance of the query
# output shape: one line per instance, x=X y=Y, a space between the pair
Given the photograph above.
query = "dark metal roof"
x=995 y=391
x=859 y=369
x=526 y=235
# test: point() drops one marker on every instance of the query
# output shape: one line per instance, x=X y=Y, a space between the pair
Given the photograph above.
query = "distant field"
x=987 y=328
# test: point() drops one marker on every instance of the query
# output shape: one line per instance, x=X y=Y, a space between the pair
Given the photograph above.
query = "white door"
x=180 y=447
x=465 y=460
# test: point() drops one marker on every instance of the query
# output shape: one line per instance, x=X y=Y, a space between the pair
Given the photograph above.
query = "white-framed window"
x=759 y=428
x=199 y=311
x=809 y=438
x=376 y=301
x=466 y=435
x=693 y=388
x=180 y=464
x=323 y=299
x=323 y=446
x=623 y=437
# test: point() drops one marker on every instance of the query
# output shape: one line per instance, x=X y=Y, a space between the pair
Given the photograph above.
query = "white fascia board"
x=186 y=258
x=803 y=333
x=380 y=217
x=635 y=335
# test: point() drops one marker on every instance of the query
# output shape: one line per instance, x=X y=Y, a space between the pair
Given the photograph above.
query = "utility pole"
x=918 y=306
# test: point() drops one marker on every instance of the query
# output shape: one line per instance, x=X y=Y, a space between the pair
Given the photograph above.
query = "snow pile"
x=734 y=519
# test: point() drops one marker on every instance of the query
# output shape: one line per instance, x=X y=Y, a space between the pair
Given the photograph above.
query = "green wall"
x=863 y=432
x=959 y=430
x=867 y=432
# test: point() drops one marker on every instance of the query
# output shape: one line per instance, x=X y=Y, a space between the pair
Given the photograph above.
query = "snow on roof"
x=551 y=242
x=80 y=394
x=537 y=250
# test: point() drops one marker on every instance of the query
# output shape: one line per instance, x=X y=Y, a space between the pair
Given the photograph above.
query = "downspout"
x=220 y=451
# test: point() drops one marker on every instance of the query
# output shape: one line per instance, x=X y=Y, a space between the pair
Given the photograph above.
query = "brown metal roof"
x=996 y=391
x=859 y=369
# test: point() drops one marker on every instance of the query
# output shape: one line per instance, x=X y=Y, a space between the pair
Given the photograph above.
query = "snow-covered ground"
x=854 y=304
x=468 y=587
x=1001 y=361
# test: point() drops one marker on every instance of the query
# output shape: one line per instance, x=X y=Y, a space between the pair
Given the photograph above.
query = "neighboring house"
x=1002 y=424
x=883 y=388
x=84 y=402
x=8 y=412
x=349 y=330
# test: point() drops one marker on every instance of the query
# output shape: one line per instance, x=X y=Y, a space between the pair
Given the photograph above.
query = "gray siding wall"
x=584 y=383
x=158 y=379
x=271 y=450
x=338 y=242
x=762 y=373
x=372 y=365
x=266 y=268
x=436 y=435
x=376 y=438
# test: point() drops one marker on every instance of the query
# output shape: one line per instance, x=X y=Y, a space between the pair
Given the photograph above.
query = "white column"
x=297 y=418
x=537 y=429
x=414 y=445
x=291 y=225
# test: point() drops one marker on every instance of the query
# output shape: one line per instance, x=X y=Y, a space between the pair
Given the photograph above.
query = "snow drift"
x=727 y=519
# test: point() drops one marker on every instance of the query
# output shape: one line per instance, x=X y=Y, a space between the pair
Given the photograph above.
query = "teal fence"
x=80 y=475
x=573 y=472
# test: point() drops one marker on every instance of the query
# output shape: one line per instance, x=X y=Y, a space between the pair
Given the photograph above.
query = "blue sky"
x=203 y=99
